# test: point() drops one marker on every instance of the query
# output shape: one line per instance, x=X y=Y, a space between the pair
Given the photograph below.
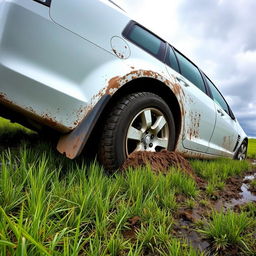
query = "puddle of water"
x=246 y=195
x=250 y=177
x=193 y=237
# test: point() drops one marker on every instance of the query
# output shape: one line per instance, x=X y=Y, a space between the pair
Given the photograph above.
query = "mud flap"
x=73 y=143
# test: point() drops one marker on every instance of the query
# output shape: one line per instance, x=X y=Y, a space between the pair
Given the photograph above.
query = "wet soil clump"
x=159 y=161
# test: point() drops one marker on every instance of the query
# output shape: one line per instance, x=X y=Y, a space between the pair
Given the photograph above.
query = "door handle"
x=220 y=112
x=182 y=82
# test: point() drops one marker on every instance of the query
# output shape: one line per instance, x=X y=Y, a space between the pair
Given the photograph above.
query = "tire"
x=242 y=151
x=138 y=122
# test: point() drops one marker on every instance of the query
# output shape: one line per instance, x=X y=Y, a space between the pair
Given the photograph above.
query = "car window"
x=217 y=97
x=171 y=59
x=145 y=40
x=190 y=71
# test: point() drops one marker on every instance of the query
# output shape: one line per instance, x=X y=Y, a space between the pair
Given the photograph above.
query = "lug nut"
x=151 y=145
x=145 y=147
x=152 y=137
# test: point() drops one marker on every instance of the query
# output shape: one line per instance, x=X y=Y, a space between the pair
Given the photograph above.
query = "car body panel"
x=57 y=63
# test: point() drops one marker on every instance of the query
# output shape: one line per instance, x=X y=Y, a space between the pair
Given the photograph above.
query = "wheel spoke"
x=139 y=147
x=158 y=125
x=161 y=142
x=146 y=119
x=134 y=134
x=148 y=131
x=243 y=149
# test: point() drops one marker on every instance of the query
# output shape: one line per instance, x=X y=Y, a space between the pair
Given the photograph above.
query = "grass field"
x=252 y=148
x=52 y=206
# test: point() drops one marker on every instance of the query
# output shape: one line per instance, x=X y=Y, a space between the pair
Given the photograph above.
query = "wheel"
x=242 y=151
x=138 y=122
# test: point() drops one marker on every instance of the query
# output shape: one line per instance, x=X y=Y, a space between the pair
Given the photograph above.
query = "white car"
x=80 y=65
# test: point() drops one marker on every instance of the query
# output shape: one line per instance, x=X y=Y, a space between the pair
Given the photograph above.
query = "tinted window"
x=190 y=71
x=217 y=97
x=145 y=39
x=171 y=59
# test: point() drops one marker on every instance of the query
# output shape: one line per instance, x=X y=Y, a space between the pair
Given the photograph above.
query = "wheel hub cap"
x=148 y=131
x=146 y=139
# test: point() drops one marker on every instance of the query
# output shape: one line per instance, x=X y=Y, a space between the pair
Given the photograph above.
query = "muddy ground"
x=236 y=194
x=233 y=196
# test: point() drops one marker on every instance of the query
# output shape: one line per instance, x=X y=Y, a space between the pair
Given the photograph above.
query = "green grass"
x=250 y=209
x=252 y=148
x=253 y=184
x=50 y=205
x=218 y=171
x=229 y=229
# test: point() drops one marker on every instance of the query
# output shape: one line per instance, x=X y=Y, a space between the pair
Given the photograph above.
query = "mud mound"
x=159 y=161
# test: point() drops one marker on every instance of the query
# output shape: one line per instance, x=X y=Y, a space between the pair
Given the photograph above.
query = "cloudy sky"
x=218 y=35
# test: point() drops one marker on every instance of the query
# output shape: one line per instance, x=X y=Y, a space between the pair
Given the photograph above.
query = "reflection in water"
x=246 y=195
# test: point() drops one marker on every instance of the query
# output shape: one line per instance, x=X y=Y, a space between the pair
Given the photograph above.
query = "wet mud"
x=158 y=161
x=247 y=192
x=235 y=195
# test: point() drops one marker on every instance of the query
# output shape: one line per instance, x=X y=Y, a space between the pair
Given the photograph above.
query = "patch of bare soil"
x=159 y=161
x=133 y=226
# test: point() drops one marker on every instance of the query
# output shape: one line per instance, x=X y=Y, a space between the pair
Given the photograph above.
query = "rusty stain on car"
x=119 y=55
x=44 y=119
x=113 y=85
x=227 y=141
x=117 y=81
x=194 y=127
x=193 y=154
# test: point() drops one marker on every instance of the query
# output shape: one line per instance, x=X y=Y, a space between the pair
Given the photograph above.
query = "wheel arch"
x=87 y=139
x=147 y=84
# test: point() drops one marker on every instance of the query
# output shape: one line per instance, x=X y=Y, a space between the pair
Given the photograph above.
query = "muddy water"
x=246 y=195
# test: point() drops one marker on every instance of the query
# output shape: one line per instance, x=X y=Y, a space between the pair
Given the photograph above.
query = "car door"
x=225 y=134
x=200 y=113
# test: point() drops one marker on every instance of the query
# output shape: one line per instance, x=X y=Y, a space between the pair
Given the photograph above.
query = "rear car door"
x=225 y=134
x=200 y=113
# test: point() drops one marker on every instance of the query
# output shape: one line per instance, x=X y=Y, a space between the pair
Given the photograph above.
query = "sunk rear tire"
x=242 y=151
x=138 y=122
